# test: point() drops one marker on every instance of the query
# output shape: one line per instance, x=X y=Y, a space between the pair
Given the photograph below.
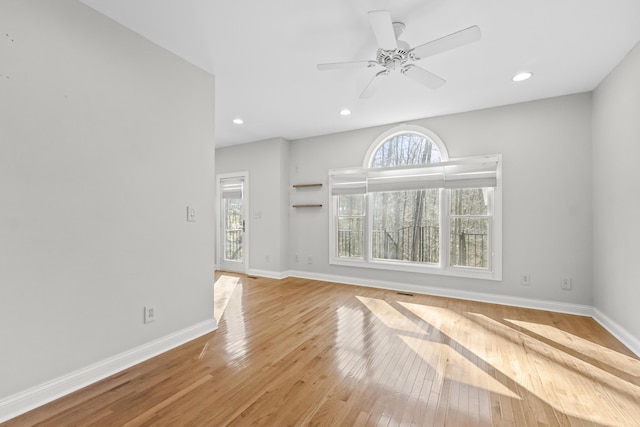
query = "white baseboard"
x=560 y=307
x=617 y=331
x=269 y=274
x=27 y=400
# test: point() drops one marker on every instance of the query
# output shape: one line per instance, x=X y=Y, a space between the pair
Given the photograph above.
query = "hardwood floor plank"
x=304 y=352
x=151 y=412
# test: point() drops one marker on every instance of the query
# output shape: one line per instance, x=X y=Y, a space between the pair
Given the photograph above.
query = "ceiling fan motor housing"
x=393 y=59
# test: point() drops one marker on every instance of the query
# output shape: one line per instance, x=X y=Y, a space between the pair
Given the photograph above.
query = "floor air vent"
x=405 y=293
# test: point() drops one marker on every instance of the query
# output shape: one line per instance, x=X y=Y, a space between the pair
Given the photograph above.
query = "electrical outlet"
x=267 y=259
x=566 y=283
x=149 y=314
x=297 y=259
x=309 y=260
x=525 y=279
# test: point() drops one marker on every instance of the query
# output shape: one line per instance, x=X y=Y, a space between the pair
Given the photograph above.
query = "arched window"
x=405 y=145
x=412 y=208
x=405 y=149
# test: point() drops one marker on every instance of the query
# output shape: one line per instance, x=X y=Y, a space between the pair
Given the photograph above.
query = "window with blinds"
x=412 y=208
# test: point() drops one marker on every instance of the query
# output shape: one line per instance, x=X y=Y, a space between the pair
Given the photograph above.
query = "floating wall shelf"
x=306 y=185
x=308 y=205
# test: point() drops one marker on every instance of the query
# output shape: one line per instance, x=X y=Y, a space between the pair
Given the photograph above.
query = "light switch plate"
x=191 y=214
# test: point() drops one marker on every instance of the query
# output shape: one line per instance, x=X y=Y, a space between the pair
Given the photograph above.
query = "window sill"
x=468 y=273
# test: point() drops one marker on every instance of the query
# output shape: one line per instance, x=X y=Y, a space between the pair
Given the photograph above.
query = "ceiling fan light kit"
x=395 y=54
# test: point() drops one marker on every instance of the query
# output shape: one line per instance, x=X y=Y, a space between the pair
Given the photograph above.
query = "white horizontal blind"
x=399 y=179
x=478 y=174
x=232 y=188
x=470 y=172
x=345 y=182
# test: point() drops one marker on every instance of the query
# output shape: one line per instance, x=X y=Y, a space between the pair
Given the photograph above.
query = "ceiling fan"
x=396 y=55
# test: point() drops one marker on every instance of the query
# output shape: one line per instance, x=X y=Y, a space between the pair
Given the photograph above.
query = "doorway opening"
x=234 y=235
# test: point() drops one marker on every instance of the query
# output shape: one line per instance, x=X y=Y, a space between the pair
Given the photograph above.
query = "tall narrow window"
x=469 y=227
x=412 y=208
x=232 y=222
x=351 y=226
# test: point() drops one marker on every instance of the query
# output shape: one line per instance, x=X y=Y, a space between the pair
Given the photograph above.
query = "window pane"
x=350 y=237
x=469 y=242
x=469 y=201
x=352 y=205
x=406 y=226
x=233 y=229
x=406 y=149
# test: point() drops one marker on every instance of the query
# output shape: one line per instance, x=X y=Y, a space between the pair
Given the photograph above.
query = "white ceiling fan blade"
x=373 y=84
x=423 y=77
x=383 y=29
x=346 y=65
x=443 y=44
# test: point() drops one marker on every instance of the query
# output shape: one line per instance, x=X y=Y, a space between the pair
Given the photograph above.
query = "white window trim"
x=494 y=270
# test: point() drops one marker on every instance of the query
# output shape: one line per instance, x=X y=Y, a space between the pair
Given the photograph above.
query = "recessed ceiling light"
x=345 y=112
x=238 y=121
x=522 y=76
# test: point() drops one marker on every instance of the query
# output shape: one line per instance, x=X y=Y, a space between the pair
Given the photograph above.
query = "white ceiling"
x=264 y=55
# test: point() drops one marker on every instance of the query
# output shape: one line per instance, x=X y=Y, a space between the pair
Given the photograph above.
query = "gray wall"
x=268 y=222
x=104 y=140
x=616 y=194
x=546 y=149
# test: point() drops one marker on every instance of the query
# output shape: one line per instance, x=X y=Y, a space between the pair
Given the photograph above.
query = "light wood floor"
x=301 y=352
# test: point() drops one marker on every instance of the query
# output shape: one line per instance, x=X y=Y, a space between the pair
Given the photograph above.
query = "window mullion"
x=445 y=200
x=368 y=224
x=490 y=243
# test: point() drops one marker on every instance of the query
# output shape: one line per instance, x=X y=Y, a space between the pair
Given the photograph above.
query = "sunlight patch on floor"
x=204 y=351
x=388 y=315
x=456 y=367
x=229 y=304
x=350 y=339
x=560 y=372
x=223 y=289
x=583 y=346
x=453 y=366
